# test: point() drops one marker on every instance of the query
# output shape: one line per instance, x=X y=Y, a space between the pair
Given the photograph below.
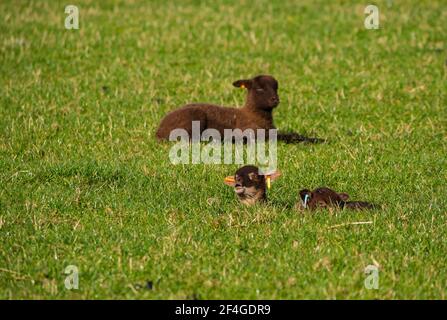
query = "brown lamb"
x=328 y=198
x=262 y=98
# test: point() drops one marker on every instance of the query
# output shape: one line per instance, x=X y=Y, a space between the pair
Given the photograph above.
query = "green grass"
x=83 y=181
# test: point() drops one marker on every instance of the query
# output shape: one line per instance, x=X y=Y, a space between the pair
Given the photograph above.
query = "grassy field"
x=84 y=182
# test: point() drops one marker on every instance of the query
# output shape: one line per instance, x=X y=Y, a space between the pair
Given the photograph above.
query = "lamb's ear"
x=229 y=181
x=243 y=84
x=344 y=196
x=275 y=175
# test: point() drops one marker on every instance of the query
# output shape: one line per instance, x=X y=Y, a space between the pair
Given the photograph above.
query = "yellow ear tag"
x=242 y=86
x=268 y=182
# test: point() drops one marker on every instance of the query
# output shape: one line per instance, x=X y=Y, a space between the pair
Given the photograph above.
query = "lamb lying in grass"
x=250 y=187
x=262 y=98
x=328 y=198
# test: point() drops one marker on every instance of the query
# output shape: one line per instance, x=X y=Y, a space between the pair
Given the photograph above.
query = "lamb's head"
x=262 y=91
x=250 y=184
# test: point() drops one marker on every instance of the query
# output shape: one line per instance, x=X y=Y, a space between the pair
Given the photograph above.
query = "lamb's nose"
x=275 y=100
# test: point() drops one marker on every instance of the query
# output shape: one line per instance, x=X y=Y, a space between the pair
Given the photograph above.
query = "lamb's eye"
x=251 y=176
x=260 y=90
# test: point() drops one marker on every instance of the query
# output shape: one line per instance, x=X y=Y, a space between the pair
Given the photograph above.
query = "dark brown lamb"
x=262 y=98
x=327 y=198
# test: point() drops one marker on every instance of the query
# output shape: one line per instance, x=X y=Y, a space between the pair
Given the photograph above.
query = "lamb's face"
x=248 y=185
x=262 y=91
x=248 y=182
